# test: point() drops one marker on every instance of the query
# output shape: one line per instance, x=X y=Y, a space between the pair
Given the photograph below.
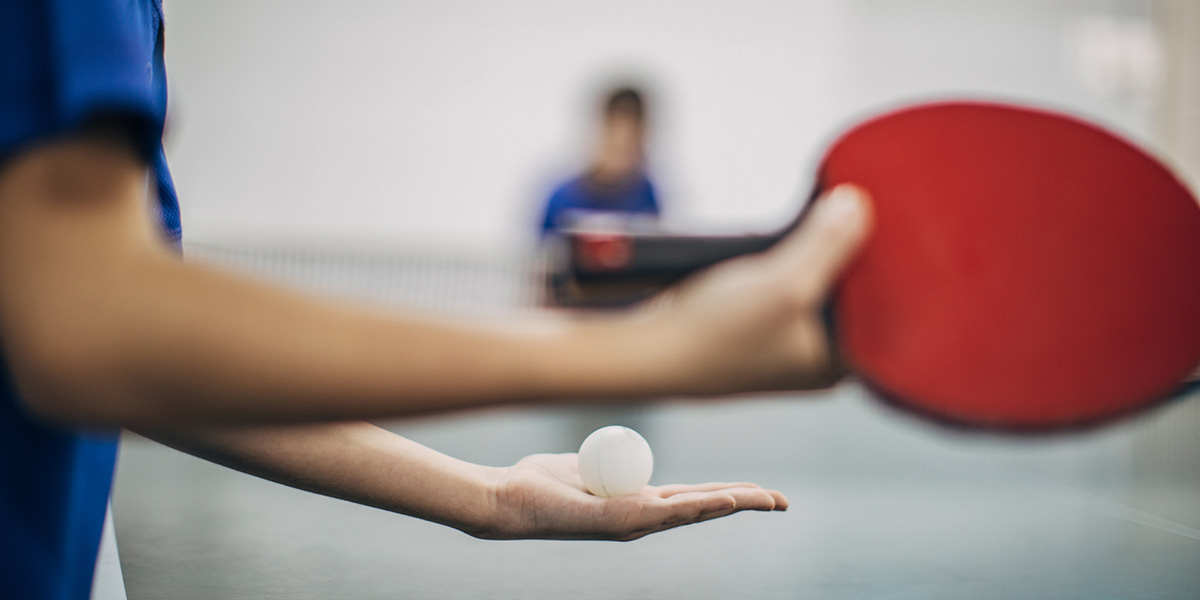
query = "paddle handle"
x=613 y=269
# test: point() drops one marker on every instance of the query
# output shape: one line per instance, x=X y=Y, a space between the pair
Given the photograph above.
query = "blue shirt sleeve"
x=65 y=63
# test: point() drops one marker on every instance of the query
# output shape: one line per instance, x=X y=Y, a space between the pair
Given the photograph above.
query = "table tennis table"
x=883 y=505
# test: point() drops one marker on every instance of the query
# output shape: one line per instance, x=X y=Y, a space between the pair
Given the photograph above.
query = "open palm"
x=543 y=497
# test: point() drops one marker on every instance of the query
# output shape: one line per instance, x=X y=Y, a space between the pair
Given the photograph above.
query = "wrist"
x=627 y=355
x=481 y=515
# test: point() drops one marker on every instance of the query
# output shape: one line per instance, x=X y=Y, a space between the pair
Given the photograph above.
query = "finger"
x=690 y=507
x=666 y=491
x=750 y=498
x=682 y=509
x=823 y=245
x=781 y=501
x=687 y=508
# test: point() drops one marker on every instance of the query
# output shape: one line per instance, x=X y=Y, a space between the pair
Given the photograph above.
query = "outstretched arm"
x=101 y=323
x=539 y=497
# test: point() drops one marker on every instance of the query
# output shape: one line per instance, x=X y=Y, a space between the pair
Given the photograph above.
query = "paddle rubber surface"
x=1026 y=271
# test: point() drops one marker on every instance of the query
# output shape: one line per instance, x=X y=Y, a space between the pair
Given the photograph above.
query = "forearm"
x=248 y=351
x=353 y=461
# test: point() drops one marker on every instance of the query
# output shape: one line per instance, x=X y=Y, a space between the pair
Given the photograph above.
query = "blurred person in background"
x=615 y=183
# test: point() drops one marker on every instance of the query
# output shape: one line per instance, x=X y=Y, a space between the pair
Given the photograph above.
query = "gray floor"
x=883 y=506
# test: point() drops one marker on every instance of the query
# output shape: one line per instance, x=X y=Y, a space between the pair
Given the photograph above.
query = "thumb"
x=815 y=253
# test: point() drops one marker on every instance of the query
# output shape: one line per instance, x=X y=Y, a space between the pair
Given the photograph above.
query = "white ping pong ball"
x=614 y=461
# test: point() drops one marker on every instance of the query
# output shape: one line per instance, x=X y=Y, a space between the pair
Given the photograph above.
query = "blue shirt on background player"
x=67 y=66
x=615 y=182
x=575 y=199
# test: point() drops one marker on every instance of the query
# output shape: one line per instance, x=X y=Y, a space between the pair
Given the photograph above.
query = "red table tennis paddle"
x=1027 y=271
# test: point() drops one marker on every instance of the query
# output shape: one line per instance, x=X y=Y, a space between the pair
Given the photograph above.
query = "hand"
x=754 y=323
x=542 y=497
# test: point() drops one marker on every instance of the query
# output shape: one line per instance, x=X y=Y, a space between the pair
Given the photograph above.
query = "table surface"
x=882 y=506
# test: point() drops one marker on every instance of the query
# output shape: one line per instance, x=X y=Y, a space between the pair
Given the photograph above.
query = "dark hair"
x=625 y=101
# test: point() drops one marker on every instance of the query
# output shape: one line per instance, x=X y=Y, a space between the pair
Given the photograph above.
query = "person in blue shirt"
x=104 y=325
x=615 y=181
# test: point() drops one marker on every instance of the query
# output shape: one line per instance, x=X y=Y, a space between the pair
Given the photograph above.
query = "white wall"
x=445 y=122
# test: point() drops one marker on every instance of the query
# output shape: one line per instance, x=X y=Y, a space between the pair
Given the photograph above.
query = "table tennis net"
x=443 y=280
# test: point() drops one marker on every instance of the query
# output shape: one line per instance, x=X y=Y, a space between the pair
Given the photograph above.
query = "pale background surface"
x=397 y=151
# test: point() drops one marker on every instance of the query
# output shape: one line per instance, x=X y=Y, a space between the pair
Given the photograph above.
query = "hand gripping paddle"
x=1026 y=271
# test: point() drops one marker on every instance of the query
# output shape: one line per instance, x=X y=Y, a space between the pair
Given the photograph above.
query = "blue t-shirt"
x=580 y=194
x=65 y=64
